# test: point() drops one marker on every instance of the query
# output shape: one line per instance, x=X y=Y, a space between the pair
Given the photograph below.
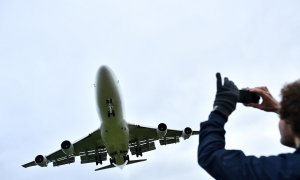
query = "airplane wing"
x=91 y=148
x=142 y=138
x=87 y=148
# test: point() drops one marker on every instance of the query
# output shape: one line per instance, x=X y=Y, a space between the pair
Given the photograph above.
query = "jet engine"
x=161 y=130
x=41 y=160
x=187 y=132
x=67 y=147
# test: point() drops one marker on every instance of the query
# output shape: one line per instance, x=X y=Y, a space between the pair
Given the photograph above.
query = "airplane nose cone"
x=104 y=75
x=103 y=71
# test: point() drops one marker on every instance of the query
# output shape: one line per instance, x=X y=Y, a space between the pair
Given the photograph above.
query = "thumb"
x=255 y=105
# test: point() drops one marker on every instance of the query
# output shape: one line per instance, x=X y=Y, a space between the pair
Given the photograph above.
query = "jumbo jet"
x=115 y=136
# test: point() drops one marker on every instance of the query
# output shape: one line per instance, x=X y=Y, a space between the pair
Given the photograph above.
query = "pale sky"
x=165 y=54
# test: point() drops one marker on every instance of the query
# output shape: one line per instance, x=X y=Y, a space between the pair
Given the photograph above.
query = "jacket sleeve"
x=233 y=164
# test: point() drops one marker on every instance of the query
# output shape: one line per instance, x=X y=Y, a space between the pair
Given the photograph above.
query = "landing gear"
x=138 y=151
x=126 y=158
x=108 y=101
x=110 y=108
x=111 y=114
x=112 y=161
x=98 y=160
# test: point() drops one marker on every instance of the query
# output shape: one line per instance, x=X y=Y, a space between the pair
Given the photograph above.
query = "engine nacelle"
x=67 y=147
x=41 y=160
x=161 y=130
x=186 y=133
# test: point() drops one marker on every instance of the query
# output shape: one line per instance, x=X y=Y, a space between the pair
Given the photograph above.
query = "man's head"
x=289 y=124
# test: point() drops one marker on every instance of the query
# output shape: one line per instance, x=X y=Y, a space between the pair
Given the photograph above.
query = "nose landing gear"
x=110 y=108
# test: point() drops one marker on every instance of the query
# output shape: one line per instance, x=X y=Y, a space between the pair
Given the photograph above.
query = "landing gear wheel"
x=139 y=152
x=98 y=160
x=113 y=114
x=126 y=158
x=112 y=161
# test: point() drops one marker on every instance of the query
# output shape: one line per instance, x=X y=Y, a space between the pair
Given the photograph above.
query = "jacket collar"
x=297 y=150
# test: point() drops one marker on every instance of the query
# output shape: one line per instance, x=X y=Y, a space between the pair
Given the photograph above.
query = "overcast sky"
x=165 y=54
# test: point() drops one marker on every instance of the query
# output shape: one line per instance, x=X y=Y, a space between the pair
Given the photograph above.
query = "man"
x=234 y=164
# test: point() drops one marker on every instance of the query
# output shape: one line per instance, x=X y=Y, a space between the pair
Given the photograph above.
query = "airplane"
x=115 y=136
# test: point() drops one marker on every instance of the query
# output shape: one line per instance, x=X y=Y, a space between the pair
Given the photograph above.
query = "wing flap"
x=91 y=157
x=63 y=161
x=169 y=140
x=142 y=148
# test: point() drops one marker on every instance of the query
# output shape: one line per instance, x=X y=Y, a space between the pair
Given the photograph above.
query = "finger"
x=255 y=90
x=262 y=88
x=219 y=80
x=265 y=88
x=231 y=84
x=255 y=105
x=251 y=104
x=234 y=86
x=247 y=105
x=258 y=90
x=227 y=82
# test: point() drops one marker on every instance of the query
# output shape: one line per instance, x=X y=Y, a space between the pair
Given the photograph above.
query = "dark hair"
x=290 y=104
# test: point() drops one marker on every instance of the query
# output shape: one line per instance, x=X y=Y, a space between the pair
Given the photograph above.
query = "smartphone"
x=247 y=97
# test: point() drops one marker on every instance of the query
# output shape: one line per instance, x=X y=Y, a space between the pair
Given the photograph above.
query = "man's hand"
x=269 y=103
x=226 y=96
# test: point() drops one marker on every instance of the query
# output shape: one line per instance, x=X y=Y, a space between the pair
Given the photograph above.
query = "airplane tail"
x=112 y=166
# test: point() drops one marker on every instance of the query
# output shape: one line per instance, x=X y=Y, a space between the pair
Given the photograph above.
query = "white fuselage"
x=114 y=129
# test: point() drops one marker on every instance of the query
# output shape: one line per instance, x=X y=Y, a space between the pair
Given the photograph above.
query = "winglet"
x=112 y=166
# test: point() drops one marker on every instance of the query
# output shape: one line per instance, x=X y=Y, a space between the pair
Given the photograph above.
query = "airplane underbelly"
x=114 y=130
x=115 y=138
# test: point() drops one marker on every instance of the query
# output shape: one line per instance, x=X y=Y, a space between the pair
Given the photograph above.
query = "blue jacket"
x=234 y=164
